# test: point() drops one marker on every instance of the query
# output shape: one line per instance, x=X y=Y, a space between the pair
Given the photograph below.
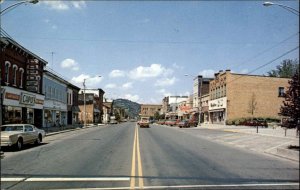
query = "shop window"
x=281 y=92
x=13 y=115
x=7 y=65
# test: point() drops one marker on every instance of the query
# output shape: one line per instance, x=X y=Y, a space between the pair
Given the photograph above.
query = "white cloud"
x=153 y=71
x=165 y=82
x=176 y=66
x=90 y=82
x=79 y=4
x=116 y=73
x=244 y=71
x=127 y=85
x=131 y=97
x=207 y=73
x=69 y=64
x=64 y=5
x=111 y=86
x=57 y=5
x=164 y=92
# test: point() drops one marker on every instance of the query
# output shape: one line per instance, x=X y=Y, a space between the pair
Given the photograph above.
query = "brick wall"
x=240 y=92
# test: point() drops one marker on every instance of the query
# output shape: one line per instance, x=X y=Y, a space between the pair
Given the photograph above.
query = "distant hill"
x=133 y=107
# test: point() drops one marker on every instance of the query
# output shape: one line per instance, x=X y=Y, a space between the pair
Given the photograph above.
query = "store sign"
x=12 y=96
x=220 y=103
x=27 y=99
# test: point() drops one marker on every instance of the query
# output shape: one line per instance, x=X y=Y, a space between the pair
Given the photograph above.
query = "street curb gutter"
x=65 y=131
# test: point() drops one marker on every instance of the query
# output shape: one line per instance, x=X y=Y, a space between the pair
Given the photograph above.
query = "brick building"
x=94 y=107
x=21 y=84
x=148 y=110
x=231 y=96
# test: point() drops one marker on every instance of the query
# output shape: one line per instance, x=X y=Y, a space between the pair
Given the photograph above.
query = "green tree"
x=156 y=115
x=291 y=104
x=286 y=69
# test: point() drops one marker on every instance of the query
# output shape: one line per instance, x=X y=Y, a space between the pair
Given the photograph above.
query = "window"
x=21 y=77
x=7 y=65
x=14 y=75
x=281 y=92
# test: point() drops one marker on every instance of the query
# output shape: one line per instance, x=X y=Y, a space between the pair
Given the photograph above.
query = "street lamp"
x=290 y=9
x=17 y=4
x=84 y=104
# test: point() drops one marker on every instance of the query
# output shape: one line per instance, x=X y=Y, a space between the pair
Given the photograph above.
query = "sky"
x=146 y=50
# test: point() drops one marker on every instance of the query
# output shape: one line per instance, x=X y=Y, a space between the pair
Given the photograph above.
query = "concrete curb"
x=289 y=154
x=68 y=130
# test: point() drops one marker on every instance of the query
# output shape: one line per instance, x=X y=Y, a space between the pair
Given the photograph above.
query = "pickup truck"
x=144 y=122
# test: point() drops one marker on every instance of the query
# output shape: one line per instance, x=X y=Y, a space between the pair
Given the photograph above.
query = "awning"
x=217 y=110
x=75 y=109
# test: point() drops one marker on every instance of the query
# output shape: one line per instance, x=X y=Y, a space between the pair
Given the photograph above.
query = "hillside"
x=133 y=107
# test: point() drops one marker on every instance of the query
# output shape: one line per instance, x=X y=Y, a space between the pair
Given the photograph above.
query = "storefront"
x=21 y=106
x=55 y=113
x=217 y=110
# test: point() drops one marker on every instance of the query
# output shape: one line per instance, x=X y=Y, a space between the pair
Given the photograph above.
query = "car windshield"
x=149 y=94
x=12 y=128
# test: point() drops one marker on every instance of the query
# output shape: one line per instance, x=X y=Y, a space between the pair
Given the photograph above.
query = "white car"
x=19 y=134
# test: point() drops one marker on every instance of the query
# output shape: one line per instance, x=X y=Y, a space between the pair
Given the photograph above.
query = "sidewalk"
x=57 y=130
x=270 y=131
x=267 y=140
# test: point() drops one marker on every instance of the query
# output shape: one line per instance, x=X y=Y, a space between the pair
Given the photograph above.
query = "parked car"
x=183 y=124
x=171 y=122
x=113 y=121
x=192 y=122
x=20 y=134
x=161 y=122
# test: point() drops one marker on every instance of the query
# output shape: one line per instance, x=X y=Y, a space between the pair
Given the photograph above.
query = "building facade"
x=21 y=84
x=231 y=96
x=94 y=107
x=72 y=104
x=200 y=88
x=55 y=104
x=148 y=110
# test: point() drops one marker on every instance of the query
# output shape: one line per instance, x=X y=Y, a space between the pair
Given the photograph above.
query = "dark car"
x=193 y=122
x=183 y=124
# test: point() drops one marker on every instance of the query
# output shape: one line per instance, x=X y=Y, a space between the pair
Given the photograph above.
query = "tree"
x=252 y=105
x=156 y=116
x=286 y=69
x=291 y=104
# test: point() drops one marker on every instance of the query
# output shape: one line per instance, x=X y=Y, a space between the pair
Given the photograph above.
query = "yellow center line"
x=140 y=169
x=132 y=179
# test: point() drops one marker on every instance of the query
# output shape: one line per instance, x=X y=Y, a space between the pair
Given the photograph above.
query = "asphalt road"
x=123 y=156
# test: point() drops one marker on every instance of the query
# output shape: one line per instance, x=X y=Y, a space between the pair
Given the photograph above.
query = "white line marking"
x=79 y=179
x=189 y=186
x=225 y=185
x=57 y=179
x=12 y=179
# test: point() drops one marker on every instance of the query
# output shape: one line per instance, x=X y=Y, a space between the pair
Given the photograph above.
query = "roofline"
x=3 y=39
x=259 y=76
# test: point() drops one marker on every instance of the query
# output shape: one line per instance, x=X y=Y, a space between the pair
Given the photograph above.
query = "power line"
x=265 y=64
x=266 y=50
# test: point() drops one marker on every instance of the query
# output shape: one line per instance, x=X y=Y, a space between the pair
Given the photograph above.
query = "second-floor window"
x=281 y=92
x=21 y=77
x=7 y=65
x=14 y=75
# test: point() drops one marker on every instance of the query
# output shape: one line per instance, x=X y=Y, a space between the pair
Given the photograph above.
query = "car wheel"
x=19 y=144
x=38 y=140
